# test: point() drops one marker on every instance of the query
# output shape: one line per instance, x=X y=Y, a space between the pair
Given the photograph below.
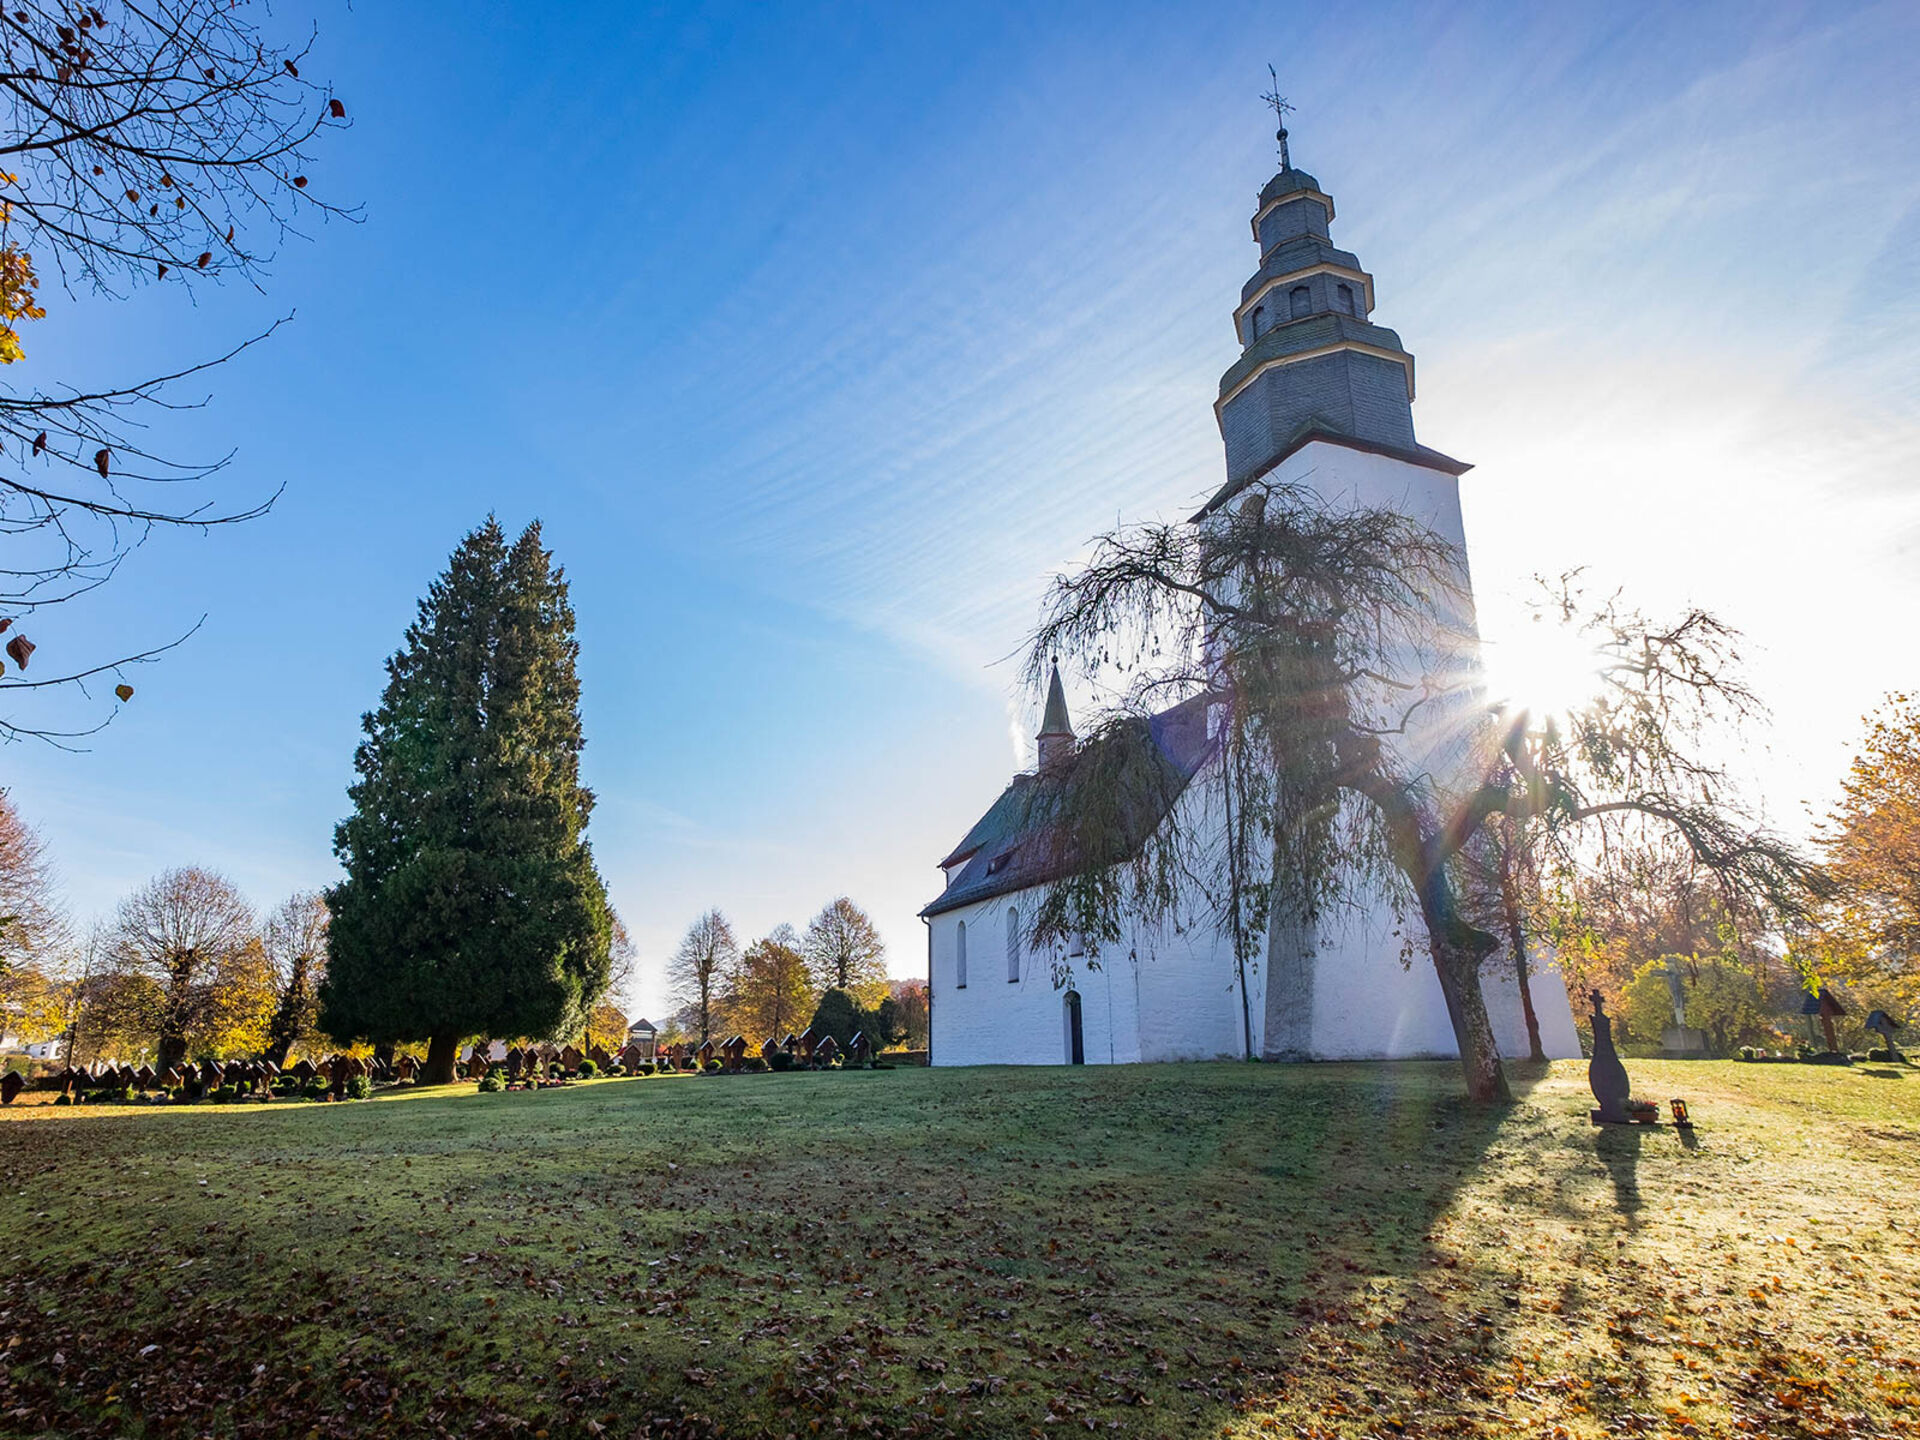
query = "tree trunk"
x=442 y=1051
x=1459 y=970
x=1517 y=941
x=173 y=1051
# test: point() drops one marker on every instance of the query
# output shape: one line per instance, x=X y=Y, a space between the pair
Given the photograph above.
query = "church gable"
x=1018 y=844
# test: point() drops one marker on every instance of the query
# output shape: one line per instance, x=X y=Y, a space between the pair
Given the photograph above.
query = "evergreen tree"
x=471 y=904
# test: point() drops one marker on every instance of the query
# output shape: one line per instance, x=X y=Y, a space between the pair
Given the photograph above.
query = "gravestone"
x=733 y=1051
x=704 y=1053
x=791 y=1043
x=403 y=1068
x=824 y=1052
x=807 y=1043
x=1606 y=1074
x=172 y=1080
x=1680 y=1041
x=1884 y=1025
x=769 y=1048
x=633 y=1057
x=602 y=1061
x=1830 y=1010
x=570 y=1059
x=11 y=1084
x=515 y=1063
x=144 y=1077
x=858 y=1050
x=304 y=1071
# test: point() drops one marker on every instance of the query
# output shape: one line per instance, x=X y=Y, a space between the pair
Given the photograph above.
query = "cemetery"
x=1348 y=1249
x=343 y=1076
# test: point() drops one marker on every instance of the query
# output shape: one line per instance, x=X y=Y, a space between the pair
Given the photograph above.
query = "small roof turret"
x=1054 y=721
x=1056 y=731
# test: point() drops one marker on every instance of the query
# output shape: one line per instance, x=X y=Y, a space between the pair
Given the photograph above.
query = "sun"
x=1542 y=668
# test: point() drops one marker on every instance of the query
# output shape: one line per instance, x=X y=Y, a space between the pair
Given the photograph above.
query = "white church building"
x=1320 y=397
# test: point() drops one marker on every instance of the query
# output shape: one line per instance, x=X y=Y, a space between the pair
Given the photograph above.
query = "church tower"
x=1313 y=365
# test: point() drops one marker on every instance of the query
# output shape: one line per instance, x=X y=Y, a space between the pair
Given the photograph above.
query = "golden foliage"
x=771 y=993
x=1872 y=932
x=606 y=1026
x=17 y=285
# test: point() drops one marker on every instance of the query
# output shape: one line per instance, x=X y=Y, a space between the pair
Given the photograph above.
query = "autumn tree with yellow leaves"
x=1870 y=937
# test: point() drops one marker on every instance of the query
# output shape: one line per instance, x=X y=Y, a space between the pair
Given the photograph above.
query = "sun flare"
x=1542 y=668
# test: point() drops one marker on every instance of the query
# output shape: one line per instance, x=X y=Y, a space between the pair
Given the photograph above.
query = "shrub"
x=492 y=1082
x=1746 y=1052
x=553 y=1070
x=616 y=1068
x=781 y=1060
x=713 y=1067
x=588 y=1069
x=359 y=1088
x=644 y=1069
x=225 y=1095
x=755 y=1063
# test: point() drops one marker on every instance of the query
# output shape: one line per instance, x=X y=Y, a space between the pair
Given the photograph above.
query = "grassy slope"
x=1326 y=1250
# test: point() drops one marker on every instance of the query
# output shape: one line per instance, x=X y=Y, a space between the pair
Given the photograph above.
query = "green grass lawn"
x=1339 y=1250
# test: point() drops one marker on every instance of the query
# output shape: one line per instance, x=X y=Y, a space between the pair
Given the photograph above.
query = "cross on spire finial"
x=1281 y=108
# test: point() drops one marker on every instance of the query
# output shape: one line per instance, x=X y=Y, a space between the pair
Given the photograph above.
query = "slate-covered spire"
x=1056 y=731
x=1310 y=358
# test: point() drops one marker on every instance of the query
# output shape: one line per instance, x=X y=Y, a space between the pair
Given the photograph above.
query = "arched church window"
x=960 y=956
x=1013 y=945
x=1301 y=299
x=1255 y=323
x=1345 y=292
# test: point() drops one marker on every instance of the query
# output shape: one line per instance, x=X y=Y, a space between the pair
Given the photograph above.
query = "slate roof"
x=1285 y=183
x=1016 y=844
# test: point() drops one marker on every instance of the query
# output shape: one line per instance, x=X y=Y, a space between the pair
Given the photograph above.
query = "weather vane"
x=1280 y=108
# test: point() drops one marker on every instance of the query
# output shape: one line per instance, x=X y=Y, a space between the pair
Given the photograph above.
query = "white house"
x=1322 y=398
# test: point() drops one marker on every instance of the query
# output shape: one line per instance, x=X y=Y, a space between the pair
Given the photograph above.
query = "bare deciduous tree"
x=141 y=142
x=700 y=967
x=845 y=952
x=1327 y=635
x=33 y=923
x=190 y=935
x=296 y=947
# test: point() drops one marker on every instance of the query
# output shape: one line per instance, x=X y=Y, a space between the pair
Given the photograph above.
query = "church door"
x=1076 y=1044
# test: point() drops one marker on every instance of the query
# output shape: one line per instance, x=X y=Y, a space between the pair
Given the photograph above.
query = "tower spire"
x=1281 y=109
x=1056 y=731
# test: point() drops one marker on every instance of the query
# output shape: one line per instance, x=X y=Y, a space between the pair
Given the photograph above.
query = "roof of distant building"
x=1019 y=843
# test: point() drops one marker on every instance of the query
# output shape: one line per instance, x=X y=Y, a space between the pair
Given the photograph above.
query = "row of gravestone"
x=808 y=1049
x=243 y=1076
x=537 y=1060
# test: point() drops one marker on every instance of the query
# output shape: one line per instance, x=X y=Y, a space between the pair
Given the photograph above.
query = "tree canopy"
x=845 y=952
x=1355 y=751
x=471 y=904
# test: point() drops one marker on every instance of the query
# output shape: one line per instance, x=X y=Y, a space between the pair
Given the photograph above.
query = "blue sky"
x=818 y=338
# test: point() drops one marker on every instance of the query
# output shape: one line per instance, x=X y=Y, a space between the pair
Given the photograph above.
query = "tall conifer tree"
x=471 y=905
